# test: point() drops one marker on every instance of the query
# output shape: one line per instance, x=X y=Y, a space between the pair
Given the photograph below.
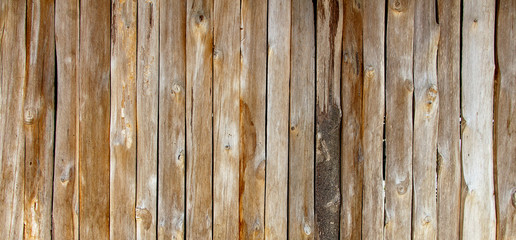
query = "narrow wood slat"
x=12 y=86
x=399 y=91
x=351 y=152
x=373 y=110
x=122 y=194
x=505 y=118
x=278 y=79
x=147 y=119
x=478 y=201
x=199 y=48
x=253 y=66
x=302 y=127
x=171 y=139
x=94 y=113
x=448 y=149
x=426 y=103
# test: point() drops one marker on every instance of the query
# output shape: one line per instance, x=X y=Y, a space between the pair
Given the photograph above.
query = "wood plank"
x=65 y=216
x=505 y=118
x=426 y=103
x=147 y=119
x=448 y=147
x=373 y=110
x=94 y=114
x=12 y=87
x=302 y=126
x=122 y=194
x=253 y=66
x=226 y=120
x=199 y=45
x=478 y=201
x=171 y=139
x=351 y=151
x=278 y=80
x=399 y=91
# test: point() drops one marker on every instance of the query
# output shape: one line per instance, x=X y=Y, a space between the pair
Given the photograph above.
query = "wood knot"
x=227 y=147
x=29 y=116
x=143 y=215
x=398 y=6
x=513 y=198
x=427 y=220
x=402 y=187
x=409 y=86
x=217 y=54
x=307 y=229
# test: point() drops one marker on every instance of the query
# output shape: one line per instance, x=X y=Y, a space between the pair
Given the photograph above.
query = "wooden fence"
x=253 y=119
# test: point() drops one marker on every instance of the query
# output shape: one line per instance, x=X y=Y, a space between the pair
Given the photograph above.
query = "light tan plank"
x=278 y=79
x=199 y=48
x=147 y=119
x=253 y=66
x=302 y=105
x=399 y=91
x=122 y=194
x=172 y=77
x=94 y=113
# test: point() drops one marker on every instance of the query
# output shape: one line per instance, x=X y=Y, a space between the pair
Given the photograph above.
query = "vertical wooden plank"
x=172 y=77
x=328 y=117
x=448 y=149
x=505 y=117
x=199 y=48
x=147 y=119
x=278 y=80
x=302 y=111
x=65 y=216
x=253 y=44
x=122 y=194
x=226 y=120
x=478 y=201
x=351 y=151
x=426 y=102
x=373 y=110
x=399 y=91
x=12 y=87
x=94 y=113
x=39 y=119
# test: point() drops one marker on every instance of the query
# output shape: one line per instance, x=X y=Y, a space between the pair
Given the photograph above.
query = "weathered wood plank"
x=426 y=103
x=12 y=87
x=147 y=119
x=122 y=194
x=172 y=77
x=94 y=114
x=505 y=118
x=226 y=118
x=448 y=149
x=373 y=110
x=199 y=48
x=65 y=216
x=478 y=201
x=302 y=126
x=351 y=152
x=278 y=80
x=399 y=91
x=252 y=118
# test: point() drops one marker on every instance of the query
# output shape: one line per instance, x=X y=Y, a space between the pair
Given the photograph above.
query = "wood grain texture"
x=448 y=149
x=373 y=110
x=199 y=48
x=94 y=114
x=172 y=129
x=12 y=88
x=65 y=215
x=351 y=151
x=426 y=116
x=147 y=119
x=478 y=201
x=122 y=194
x=302 y=127
x=253 y=66
x=278 y=80
x=399 y=93
x=505 y=118
x=328 y=117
